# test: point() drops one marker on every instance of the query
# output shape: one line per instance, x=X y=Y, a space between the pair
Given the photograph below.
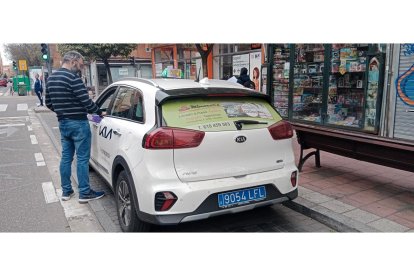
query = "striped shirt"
x=66 y=95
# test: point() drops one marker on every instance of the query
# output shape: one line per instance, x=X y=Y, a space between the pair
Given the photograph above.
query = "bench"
x=361 y=146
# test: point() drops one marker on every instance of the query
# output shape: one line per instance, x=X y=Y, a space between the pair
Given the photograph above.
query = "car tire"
x=125 y=206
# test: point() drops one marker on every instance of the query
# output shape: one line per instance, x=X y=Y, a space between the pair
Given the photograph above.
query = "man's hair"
x=71 y=55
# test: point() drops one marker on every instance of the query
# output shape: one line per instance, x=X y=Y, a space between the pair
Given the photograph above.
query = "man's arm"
x=80 y=92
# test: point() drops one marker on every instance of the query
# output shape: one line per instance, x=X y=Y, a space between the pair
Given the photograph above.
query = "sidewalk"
x=355 y=196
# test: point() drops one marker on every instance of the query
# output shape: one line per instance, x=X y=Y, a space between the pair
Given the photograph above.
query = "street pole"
x=49 y=66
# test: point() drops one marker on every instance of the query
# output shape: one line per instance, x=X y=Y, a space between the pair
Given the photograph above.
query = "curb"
x=90 y=218
x=336 y=221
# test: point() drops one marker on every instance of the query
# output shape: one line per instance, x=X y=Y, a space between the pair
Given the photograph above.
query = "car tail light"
x=173 y=138
x=164 y=201
x=293 y=178
x=281 y=130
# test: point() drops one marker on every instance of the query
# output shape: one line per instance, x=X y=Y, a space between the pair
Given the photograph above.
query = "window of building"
x=331 y=84
x=347 y=81
x=308 y=82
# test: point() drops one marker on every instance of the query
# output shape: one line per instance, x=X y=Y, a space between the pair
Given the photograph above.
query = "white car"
x=178 y=150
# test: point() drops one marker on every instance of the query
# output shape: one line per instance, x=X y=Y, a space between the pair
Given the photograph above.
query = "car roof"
x=168 y=89
x=173 y=84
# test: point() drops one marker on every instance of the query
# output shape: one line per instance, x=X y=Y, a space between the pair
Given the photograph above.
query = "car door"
x=104 y=103
x=116 y=132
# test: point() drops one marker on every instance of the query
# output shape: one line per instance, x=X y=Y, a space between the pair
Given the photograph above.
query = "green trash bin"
x=22 y=90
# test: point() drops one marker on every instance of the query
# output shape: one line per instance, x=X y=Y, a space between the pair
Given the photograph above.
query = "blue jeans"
x=75 y=136
x=39 y=95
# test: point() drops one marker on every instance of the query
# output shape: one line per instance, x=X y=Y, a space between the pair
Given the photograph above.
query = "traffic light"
x=14 y=65
x=132 y=60
x=45 y=54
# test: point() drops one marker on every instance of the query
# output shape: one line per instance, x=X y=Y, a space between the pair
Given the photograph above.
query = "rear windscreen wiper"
x=239 y=123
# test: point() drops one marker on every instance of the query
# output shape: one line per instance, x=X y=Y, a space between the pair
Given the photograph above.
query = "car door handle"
x=116 y=132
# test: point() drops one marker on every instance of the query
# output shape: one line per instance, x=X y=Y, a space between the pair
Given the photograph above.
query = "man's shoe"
x=67 y=195
x=91 y=196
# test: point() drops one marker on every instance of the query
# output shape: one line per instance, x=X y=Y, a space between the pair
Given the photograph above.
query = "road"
x=25 y=203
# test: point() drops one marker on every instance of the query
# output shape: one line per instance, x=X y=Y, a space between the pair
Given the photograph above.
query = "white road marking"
x=41 y=164
x=55 y=127
x=33 y=139
x=18 y=117
x=39 y=156
x=49 y=192
x=3 y=107
x=12 y=125
x=29 y=128
x=22 y=107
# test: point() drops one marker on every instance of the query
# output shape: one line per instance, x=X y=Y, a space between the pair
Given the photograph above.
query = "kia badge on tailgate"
x=241 y=139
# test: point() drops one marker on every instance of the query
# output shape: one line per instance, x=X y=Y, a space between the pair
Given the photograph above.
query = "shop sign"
x=254 y=70
x=22 y=65
x=174 y=73
x=123 y=71
x=255 y=46
x=240 y=61
x=171 y=73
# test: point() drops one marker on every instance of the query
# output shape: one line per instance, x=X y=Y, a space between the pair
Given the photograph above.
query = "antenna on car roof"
x=198 y=76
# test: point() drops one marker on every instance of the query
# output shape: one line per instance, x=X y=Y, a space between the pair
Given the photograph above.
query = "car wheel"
x=126 y=210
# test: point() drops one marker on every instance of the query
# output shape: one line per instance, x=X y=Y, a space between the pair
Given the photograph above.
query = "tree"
x=99 y=51
x=29 y=52
x=204 y=50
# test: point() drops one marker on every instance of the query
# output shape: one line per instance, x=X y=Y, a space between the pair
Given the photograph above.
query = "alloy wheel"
x=124 y=203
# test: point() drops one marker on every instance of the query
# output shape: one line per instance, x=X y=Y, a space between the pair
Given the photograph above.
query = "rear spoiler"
x=162 y=96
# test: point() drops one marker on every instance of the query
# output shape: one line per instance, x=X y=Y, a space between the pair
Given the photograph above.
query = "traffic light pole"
x=49 y=66
x=46 y=57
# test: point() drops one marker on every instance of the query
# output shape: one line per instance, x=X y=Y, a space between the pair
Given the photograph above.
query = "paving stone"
x=386 y=225
x=361 y=215
x=303 y=191
x=337 y=206
x=316 y=197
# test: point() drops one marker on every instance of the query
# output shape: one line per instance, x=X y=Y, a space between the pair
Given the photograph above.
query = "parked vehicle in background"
x=3 y=82
x=177 y=150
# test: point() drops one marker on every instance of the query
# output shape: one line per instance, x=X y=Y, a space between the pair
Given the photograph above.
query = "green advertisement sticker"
x=218 y=114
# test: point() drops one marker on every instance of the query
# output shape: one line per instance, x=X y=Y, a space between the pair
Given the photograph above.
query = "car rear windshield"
x=219 y=113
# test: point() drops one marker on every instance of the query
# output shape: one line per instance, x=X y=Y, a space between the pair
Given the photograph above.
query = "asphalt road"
x=25 y=202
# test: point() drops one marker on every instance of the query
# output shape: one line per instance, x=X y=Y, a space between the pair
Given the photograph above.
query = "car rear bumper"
x=209 y=208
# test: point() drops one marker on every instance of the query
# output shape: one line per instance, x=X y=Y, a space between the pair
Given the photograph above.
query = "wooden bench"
x=361 y=146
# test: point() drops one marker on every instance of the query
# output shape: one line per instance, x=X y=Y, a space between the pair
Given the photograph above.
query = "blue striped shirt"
x=66 y=95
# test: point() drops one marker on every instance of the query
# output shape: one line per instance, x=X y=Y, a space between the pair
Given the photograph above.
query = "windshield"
x=219 y=113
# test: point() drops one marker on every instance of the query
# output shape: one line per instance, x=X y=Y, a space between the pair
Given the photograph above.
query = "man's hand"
x=103 y=114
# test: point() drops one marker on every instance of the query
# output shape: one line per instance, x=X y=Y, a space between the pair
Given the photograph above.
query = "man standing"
x=38 y=88
x=66 y=95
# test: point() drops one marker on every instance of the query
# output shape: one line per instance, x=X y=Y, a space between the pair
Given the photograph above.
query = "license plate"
x=241 y=197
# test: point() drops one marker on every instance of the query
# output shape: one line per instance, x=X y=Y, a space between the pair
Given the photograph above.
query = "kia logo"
x=241 y=139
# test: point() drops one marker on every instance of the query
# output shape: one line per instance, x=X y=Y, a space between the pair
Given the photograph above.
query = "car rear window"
x=218 y=113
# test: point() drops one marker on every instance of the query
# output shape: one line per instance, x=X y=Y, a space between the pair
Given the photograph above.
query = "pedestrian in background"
x=38 y=88
x=244 y=79
x=66 y=95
